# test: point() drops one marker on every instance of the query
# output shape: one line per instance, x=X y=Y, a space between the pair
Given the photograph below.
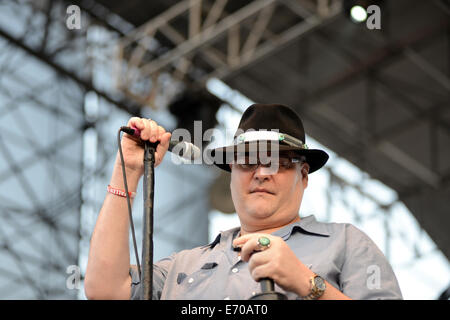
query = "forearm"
x=109 y=256
x=303 y=287
x=331 y=293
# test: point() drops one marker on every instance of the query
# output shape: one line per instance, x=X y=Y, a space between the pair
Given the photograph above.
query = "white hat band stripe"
x=256 y=136
x=251 y=136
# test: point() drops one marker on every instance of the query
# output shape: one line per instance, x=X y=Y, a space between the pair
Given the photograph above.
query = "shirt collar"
x=307 y=225
x=223 y=236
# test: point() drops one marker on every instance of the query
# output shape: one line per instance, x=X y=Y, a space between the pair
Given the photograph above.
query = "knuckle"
x=275 y=265
x=251 y=264
x=133 y=120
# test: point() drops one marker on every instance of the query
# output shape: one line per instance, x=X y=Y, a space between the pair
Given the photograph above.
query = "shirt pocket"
x=199 y=285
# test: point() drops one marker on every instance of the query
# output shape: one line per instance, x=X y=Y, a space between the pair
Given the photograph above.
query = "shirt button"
x=253 y=293
x=191 y=280
x=234 y=270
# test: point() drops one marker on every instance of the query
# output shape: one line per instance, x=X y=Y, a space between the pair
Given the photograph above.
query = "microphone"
x=183 y=149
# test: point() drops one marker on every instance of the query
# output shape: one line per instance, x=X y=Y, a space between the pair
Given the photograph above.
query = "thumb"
x=163 y=145
x=165 y=138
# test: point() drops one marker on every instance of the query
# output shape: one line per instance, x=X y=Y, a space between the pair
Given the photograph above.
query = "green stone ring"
x=263 y=242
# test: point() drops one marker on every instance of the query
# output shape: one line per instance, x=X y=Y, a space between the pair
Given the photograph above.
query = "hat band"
x=251 y=136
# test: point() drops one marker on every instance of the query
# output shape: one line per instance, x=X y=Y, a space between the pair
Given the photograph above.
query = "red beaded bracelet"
x=119 y=192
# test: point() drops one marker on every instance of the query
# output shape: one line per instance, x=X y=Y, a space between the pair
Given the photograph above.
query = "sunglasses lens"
x=252 y=162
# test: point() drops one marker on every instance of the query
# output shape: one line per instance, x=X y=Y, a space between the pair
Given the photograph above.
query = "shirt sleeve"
x=160 y=270
x=366 y=274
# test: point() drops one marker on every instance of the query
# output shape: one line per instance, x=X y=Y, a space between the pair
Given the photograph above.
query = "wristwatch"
x=318 y=287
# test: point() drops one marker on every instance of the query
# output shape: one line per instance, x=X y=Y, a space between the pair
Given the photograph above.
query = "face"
x=266 y=199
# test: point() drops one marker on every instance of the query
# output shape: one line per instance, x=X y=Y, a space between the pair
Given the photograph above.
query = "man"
x=305 y=258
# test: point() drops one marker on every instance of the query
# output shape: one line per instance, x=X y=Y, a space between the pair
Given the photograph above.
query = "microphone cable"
x=130 y=215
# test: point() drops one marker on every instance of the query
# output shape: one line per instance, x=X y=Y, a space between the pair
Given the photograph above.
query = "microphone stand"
x=267 y=284
x=268 y=291
x=147 y=241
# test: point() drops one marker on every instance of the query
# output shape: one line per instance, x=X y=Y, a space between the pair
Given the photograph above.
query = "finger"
x=153 y=131
x=164 y=141
x=258 y=259
x=163 y=146
x=161 y=131
x=261 y=272
x=150 y=131
x=249 y=248
x=239 y=242
x=136 y=122
x=145 y=130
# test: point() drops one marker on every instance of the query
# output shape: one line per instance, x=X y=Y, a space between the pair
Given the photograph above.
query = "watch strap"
x=315 y=293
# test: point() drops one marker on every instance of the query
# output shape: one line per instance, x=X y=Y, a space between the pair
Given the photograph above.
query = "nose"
x=263 y=173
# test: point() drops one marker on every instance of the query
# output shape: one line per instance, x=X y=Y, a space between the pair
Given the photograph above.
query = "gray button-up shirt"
x=339 y=252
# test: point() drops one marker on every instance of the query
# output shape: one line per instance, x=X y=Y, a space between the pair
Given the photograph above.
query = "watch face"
x=320 y=283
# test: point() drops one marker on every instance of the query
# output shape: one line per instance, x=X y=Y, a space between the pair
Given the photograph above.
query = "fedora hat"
x=273 y=123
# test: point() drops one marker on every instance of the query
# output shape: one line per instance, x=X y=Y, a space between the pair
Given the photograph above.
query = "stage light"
x=358 y=14
x=356 y=10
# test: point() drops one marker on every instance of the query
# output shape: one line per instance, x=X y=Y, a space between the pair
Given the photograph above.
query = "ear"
x=305 y=170
x=305 y=173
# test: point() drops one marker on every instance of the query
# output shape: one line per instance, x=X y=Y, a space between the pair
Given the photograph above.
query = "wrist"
x=131 y=170
x=132 y=176
x=120 y=192
x=303 y=287
x=317 y=288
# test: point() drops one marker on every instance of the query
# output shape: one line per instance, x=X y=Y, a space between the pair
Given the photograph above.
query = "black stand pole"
x=268 y=291
x=147 y=241
x=267 y=284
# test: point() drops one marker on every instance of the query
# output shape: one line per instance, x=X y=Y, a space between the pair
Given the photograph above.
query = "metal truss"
x=385 y=222
x=219 y=45
x=50 y=187
x=396 y=89
x=41 y=146
x=196 y=40
x=57 y=147
x=426 y=105
x=352 y=195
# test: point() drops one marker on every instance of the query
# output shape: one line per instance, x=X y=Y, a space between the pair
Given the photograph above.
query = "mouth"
x=261 y=191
